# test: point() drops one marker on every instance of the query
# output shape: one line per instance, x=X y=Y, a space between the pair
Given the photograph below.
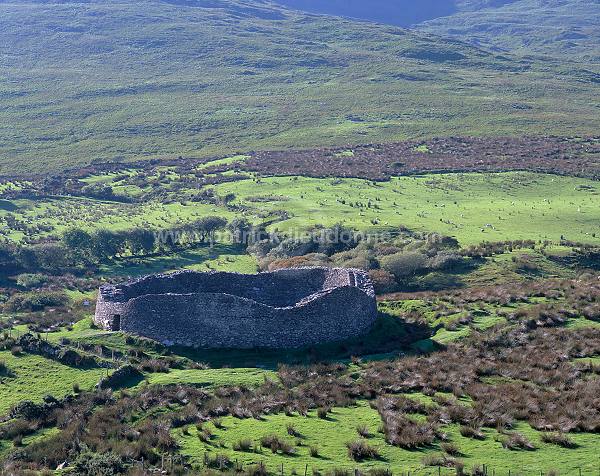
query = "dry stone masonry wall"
x=290 y=308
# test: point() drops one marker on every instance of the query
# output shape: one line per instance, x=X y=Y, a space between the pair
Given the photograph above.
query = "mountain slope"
x=568 y=28
x=120 y=80
x=393 y=12
x=398 y=12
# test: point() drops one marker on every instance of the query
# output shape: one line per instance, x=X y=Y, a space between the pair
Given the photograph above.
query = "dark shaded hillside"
x=568 y=28
x=399 y=12
x=393 y=12
x=121 y=80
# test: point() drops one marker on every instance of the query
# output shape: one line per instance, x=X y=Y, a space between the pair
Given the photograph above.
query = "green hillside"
x=570 y=29
x=116 y=80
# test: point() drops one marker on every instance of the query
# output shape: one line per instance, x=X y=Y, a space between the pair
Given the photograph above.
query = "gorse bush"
x=516 y=441
x=243 y=445
x=559 y=439
x=360 y=450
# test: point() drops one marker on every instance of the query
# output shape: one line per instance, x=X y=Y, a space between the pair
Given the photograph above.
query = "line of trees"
x=105 y=245
x=79 y=249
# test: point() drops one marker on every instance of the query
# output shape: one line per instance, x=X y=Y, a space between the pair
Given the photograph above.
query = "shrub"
x=31 y=281
x=4 y=370
x=363 y=430
x=383 y=281
x=219 y=461
x=472 y=432
x=407 y=433
x=243 y=445
x=322 y=412
x=291 y=430
x=559 y=439
x=314 y=451
x=451 y=448
x=403 y=265
x=16 y=428
x=35 y=301
x=16 y=350
x=204 y=435
x=155 y=366
x=517 y=441
x=258 y=470
x=100 y=464
x=380 y=472
x=271 y=441
x=218 y=422
x=360 y=450
x=438 y=460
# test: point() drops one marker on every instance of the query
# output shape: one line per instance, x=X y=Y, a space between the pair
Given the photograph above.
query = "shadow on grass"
x=8 y=206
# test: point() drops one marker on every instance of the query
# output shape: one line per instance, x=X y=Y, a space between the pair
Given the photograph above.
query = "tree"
x=141 y=241
x=241 y=230
x=78 y=241
x=107 y=244
x=208 y=225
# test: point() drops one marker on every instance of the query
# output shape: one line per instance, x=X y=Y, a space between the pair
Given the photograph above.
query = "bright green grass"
x=331 y=436
x=471 y=207
x=37 y=376
x=65 y=212
x=38 y=436
x=213 y=377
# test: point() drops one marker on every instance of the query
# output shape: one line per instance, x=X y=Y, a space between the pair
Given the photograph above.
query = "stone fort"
x=289 y=308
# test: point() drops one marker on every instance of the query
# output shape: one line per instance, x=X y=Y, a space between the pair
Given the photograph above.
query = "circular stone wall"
x=285 y=309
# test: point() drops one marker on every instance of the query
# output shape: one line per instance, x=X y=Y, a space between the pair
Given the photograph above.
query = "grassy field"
x=146 y=79
x=36 y=376
x=331 y=435
x=33 y=377
x=471 y=207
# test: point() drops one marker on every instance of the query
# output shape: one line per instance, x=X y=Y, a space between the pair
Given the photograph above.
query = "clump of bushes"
x=35 y=301
x=559 y=439
x=360 y=450
x=94 y=463
x=276 y=444
x=31 y=281
x=243 y=445
x=472 y=432
x=219 y=461
x=517 y=441
x=4 y=370
x=363 y=430
x=439 y=460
